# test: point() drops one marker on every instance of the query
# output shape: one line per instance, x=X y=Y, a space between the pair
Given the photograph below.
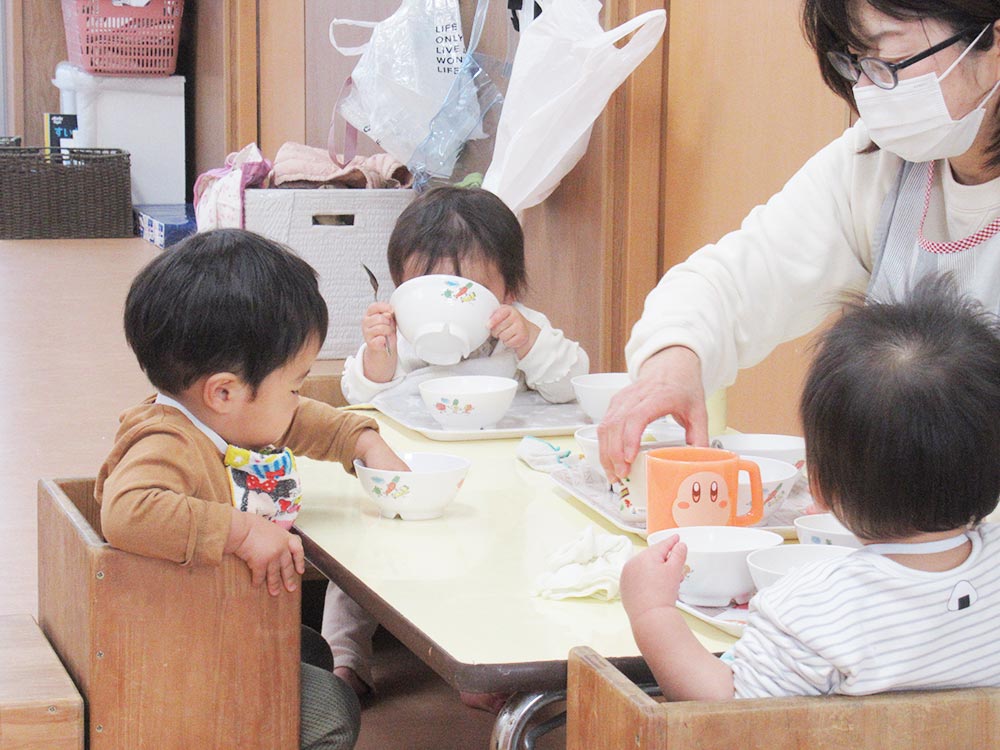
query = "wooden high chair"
x=165 y=656
x=607 y=711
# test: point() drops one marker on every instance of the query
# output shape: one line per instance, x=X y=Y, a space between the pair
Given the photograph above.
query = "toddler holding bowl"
x=903 y=447
x=466 y=232
x=470 y=233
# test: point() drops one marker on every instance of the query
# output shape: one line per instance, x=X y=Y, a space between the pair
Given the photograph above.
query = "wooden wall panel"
x=40 y=45
x=745 y=108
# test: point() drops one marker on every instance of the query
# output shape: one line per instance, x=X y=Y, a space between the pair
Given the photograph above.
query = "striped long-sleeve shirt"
x=865 y=624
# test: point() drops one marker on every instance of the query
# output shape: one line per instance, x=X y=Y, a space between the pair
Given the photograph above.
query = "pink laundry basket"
x=111 y=40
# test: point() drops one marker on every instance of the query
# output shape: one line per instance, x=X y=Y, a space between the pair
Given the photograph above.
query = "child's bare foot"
x=355 y=683
x=491 y=702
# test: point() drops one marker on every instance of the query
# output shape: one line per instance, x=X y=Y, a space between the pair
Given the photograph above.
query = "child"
x=903 y=447
x=226 y=325
x=471 y=233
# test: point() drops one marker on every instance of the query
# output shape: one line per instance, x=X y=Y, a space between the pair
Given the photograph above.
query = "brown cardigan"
x=164 y=490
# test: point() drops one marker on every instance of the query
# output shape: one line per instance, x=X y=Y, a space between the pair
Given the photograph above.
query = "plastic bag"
x=403 y=75
x=469 y=113
x=565 y=70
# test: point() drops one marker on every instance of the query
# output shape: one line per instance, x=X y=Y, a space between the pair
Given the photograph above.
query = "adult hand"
x=669 y=383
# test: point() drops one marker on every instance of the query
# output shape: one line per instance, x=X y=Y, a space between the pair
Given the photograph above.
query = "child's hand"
x=376 y=453
x=378 y=326
x=651 y=579
x=514 y=330
x=272 y=554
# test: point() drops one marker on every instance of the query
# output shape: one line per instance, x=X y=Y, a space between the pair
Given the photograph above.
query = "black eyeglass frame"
x=857 y=65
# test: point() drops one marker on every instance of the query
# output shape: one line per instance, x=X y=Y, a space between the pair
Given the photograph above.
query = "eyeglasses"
x=883 y=74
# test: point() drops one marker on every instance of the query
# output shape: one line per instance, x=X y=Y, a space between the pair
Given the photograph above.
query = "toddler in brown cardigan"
x=226 y=325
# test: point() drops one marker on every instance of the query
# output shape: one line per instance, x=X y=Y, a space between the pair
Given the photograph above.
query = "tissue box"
x=335 y=231
x=163 y=225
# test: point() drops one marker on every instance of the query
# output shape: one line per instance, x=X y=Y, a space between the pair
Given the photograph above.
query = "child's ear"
x=222 y=392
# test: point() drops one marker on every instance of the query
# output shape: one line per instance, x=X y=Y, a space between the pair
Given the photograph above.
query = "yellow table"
x=457 y=590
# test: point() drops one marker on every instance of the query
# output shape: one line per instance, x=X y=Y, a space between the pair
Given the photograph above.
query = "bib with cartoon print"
x=265 y=483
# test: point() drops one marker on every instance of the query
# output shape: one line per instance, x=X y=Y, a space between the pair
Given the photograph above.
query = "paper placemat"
x=529 y=414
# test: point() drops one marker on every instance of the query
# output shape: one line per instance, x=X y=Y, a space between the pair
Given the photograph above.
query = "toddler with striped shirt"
x=899 y=412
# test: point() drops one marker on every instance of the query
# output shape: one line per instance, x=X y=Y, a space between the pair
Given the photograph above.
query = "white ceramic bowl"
x=777 y=479
x=788 y=448
x=771 y=563
x=824 y=528
x=716 y=571
x=423 y=492
x=595 y=391
x=443 y=317
x=468 y=402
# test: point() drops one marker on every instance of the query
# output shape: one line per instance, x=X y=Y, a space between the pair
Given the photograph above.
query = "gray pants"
x=330 y=713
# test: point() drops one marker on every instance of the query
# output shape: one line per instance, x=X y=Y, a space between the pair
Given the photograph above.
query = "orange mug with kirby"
x=692 y=486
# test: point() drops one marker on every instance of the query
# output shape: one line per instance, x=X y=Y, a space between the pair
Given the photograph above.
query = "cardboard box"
x=335 y=231
x=163 y=225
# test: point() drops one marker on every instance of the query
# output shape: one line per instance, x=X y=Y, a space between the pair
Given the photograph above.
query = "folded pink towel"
x=306 y=166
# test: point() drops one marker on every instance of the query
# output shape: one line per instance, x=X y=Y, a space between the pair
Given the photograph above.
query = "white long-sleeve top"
x=553 y=361
x=865 y=624
x=792 y=259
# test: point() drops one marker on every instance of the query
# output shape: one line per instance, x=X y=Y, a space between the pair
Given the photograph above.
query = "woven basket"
x=77 y=192
x=111 y=40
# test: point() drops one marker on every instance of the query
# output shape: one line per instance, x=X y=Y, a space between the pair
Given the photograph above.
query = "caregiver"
x=912 y=188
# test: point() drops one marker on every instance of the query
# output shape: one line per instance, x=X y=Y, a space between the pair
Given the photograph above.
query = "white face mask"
x=912 y=120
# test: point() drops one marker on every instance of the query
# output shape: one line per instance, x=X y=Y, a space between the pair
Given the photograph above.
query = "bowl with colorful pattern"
x=421 y=493
x=468 y=402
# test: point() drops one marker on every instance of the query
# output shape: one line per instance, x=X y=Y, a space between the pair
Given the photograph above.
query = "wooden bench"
x=165 y=656
x=607 y=711
x=39 y=705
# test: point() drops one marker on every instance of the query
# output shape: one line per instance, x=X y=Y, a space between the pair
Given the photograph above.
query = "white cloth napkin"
x=542 y=455
x=589 y=566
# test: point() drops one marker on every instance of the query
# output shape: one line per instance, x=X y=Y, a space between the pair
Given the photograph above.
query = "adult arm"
x=774 y=279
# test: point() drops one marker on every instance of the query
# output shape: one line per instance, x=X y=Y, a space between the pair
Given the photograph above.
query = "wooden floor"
x=65 y=374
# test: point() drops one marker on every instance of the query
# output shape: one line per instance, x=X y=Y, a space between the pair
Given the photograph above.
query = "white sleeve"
x=553 y=361
x=780 y=274
x=769 y=661
x=358 y=389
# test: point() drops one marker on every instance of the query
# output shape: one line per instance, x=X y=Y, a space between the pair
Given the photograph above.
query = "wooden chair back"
x=166 y=656
x=605 y=710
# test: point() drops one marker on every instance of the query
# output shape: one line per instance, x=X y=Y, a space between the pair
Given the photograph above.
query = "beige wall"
x=745 y=108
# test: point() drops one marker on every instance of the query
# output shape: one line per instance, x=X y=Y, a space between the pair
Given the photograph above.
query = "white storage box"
x=335 y=231
x=144 y=116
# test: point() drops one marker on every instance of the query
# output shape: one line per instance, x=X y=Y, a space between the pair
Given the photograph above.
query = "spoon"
x=374 y=282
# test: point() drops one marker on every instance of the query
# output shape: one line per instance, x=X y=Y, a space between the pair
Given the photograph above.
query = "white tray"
x=589 y=487
x=583 y=483
x=529 y=414
x=730 y=619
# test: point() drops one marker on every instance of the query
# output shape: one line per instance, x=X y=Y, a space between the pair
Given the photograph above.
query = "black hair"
x=834 y=25
x=900 y=412
x=450 y=223
x=222 y=301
